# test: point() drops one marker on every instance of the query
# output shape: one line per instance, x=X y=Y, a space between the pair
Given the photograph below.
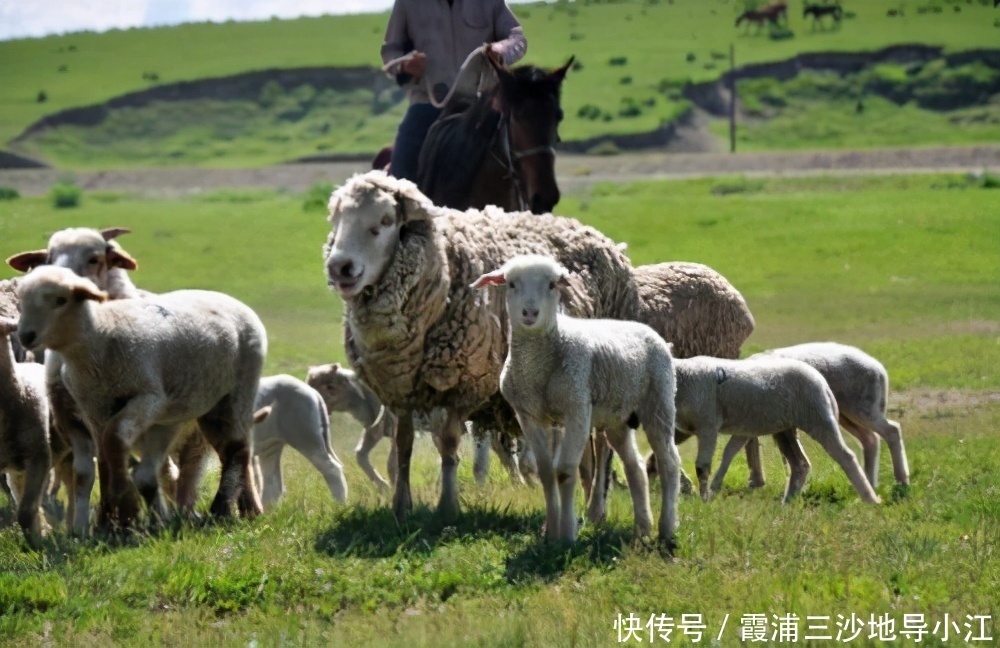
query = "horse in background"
x=819 y=11
x=772 y=13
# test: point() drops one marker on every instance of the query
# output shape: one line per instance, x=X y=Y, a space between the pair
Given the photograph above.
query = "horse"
x=769 y=14
x=819 y=11
x=497 y=148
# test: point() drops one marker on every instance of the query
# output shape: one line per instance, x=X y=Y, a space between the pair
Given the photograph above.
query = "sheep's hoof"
x=756 y=482
x=668 y=545
x=402 y=505
x=448 y=510
x=900 y=492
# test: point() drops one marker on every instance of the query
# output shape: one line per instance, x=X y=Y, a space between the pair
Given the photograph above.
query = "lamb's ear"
x=7 y=325
x=335 y=366
x=26 y=261
x=86 y=290
x=495 y=278
x=119 y=258
x=261 y=414
x=114 y=232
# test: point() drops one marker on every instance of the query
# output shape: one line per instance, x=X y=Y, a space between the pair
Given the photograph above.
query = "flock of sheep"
x=484 y=320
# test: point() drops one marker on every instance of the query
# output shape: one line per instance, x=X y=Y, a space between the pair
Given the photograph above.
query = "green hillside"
x=651 y=40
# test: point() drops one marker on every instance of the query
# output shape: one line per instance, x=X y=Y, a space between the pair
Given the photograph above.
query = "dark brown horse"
x=819 y=11
x=498 y=148
x=769 y=14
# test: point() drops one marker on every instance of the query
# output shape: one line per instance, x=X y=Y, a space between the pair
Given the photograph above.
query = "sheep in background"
x=861 y=386
x=585 y=373
x=758 y=396
x=297 y=418
x=25 y=456
x=422 y=339
x=139 y=369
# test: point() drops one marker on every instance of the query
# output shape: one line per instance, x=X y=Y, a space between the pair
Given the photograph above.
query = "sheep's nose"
x=27 y=338
x=344 y=270
x=529 y=315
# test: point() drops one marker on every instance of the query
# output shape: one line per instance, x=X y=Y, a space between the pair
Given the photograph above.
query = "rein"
x=511 y=155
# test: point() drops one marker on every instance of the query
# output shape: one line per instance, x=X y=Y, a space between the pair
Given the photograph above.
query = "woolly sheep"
x=582 y=373
x=25 y=456
x=861 y=386
x=139 y=369
x=758 y=396
x=342 y=391
x=298 y=418
x=421 y=338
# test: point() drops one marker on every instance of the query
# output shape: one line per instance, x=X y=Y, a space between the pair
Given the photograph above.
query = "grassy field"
x=904 y=267
x=651 y=40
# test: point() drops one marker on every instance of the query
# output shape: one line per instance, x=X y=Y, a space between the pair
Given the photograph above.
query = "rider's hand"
x=492 y=50
x=415 y=65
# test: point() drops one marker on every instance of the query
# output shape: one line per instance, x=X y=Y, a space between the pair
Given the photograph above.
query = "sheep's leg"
x=392 y=462
x=598 y=491
x=328 y=465
x=229 y=430
x=687 y=486
x=635 y=474
x=890 y=431
x=120 y=506
x=362 y=454
x=192 y=462
x=270 y=484
x=507 y=458
x=5 y=487
x=658 y=427
x=733 y=447
x=481 y=460
x=540 y=444
x=590 y=466
x=402 y=502
x=29 y=508
x=567 y=464
x=450 y=438
x=798 y=462
x=703 y=462
x=832 y=441
x=528 y=465
x=81 y=483
x=153 y=447
x=869 y=448
x=756 y=479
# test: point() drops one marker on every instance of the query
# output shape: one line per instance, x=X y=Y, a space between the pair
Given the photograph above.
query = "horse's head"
x=528 y=98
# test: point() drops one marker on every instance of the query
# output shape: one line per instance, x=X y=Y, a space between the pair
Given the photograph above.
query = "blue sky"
x=26 y=18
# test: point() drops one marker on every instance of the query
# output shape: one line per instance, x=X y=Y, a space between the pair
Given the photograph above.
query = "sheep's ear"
x=261 y=414
x=412 y=205
x=86 y=290
x=26 y=261
x=335 y=366
x=114 y=232
x=7 y=325
x=119 y=258
x=495 y=278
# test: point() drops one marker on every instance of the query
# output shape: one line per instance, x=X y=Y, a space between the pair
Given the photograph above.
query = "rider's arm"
x=397 y=41
x=510 y=41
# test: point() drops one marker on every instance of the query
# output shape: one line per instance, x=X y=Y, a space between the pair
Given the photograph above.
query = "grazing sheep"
x=582 y=373
x=139 y=369
x=861 y=386
x=298 y=418
x=25 y=456
x=758 y=396
x=342 y=391
x=421 y=338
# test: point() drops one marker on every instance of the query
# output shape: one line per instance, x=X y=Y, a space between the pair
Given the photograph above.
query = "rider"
x=438 y=35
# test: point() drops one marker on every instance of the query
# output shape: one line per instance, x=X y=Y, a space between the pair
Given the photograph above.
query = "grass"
x=654 y=38
x=901 y=266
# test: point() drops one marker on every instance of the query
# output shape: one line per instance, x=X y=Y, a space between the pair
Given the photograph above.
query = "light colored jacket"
x=447 y=34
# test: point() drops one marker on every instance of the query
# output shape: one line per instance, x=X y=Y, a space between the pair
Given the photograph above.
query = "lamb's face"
x=364 y=238
x=335 y=384
x=48 y=296
x=89 y=253
x=533 y=296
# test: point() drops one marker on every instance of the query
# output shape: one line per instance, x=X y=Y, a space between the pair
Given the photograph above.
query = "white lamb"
x=759 y=396
x=581 y=373
x=298 y=418
x=25 y=456
x=140 y=369
x=861 y=386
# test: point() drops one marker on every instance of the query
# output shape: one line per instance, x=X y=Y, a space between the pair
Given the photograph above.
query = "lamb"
x=861 y=386
x=421 y=338
x=298 y=418
x=582 y=373
x=757 y=396
x=25 y=456
x=342 y=391
x=139 y=369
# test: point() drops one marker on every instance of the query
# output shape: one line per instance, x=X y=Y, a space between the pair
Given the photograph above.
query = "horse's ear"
x=560 y=73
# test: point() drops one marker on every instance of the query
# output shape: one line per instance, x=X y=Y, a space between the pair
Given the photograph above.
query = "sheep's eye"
x=60 y=301
x=552 y=285
x=512 y=285
x=92 y=260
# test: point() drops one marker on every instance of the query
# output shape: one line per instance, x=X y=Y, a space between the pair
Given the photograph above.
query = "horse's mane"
x=459 y=141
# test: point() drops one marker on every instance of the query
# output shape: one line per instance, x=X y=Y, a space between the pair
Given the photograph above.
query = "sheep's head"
x=368 y=215
x=90 y=253
x=338 y=386
x=48 y=296
x=534 y=284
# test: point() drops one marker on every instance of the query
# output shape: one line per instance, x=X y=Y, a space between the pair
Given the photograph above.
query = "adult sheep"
x=420 y=337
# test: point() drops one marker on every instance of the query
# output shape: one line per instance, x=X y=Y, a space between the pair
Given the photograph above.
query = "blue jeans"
x=410 y=138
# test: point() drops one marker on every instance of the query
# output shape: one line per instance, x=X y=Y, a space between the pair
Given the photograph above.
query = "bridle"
x=509 y=156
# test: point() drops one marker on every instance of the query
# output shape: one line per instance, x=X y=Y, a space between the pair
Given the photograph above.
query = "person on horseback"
x=426 y=43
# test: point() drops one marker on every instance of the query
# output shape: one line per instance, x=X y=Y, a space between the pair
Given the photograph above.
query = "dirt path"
x=574 y=171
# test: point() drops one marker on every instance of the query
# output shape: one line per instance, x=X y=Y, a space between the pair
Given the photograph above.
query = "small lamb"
x=25 y=455
x=759 y=396
x=582 y=373
x=140 y=369
x=861 y=386
x=298 y=418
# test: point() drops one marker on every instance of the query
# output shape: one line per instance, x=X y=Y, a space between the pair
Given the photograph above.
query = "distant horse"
x=500 y=148
x=819 y=11
x=769 y=14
